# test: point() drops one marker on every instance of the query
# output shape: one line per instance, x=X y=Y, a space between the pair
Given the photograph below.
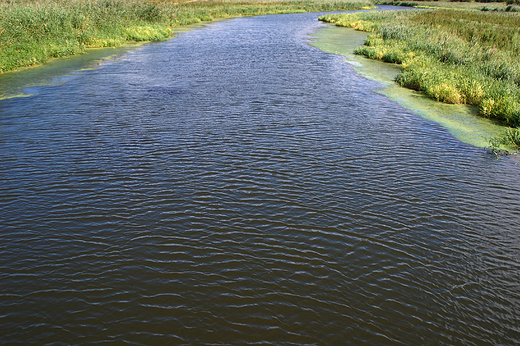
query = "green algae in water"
x=25 y=82
x=461 y=121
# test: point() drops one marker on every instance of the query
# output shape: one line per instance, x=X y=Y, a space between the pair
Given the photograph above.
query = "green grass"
x=33 y=31
x=511 y=139
x=459 y=57
x=453 y=5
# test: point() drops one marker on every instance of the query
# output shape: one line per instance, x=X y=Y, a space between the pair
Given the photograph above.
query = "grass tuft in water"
x=510 y=139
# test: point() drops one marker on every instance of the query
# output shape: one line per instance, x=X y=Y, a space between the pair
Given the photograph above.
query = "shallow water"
x=237 y=186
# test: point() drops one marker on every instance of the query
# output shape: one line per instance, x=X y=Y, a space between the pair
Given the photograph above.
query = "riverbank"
x=460 y=120
x=32 y=32
x=484 y=5
x=457 y=57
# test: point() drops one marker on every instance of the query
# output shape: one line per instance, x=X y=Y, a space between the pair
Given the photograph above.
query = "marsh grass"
x=453 y=5
x=33 y=31
x=511 y=138
x=458 y=57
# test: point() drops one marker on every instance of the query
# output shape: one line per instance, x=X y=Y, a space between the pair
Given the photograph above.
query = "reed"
x=460 y=57
x=33 y=31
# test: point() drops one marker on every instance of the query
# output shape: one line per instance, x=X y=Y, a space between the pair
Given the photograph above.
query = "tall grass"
x=458 y=57
x=32 y=31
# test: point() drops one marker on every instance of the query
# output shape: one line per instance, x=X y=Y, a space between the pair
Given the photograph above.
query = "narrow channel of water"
x=236 y=185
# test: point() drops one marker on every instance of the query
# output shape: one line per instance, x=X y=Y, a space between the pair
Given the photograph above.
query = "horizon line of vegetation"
x=34 y=31
x=459 y=5
x=457 y=57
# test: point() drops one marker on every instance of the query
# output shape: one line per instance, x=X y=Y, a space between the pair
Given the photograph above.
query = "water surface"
x=237 y=186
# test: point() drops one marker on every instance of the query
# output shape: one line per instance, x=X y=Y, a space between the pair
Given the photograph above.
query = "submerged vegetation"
x=459 y=57
x=32 y=31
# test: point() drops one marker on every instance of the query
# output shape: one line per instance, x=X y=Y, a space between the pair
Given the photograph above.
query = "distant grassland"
x=483 y=5
x=33 y=31
x=460 y=57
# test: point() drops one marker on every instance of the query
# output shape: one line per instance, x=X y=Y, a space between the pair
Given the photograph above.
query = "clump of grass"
x=452 y=56
x=512 y=136
x=33 y=31
x=503 y=145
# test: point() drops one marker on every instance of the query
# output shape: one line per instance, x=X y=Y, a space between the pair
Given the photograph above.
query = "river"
x=236 y=185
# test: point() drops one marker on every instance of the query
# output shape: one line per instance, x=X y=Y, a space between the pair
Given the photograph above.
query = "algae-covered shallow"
x=460 y=120
x=26 y=81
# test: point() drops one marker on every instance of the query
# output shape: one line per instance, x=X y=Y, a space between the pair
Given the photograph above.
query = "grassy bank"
x=459 y=57
x=483 y=5
x=33 y=31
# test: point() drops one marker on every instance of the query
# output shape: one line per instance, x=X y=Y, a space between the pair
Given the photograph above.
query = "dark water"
x=237 y=186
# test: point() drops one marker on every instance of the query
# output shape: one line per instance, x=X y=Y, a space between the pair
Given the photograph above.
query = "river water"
x=235 y=185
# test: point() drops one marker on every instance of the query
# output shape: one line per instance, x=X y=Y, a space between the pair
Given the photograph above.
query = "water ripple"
x=237 y=186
